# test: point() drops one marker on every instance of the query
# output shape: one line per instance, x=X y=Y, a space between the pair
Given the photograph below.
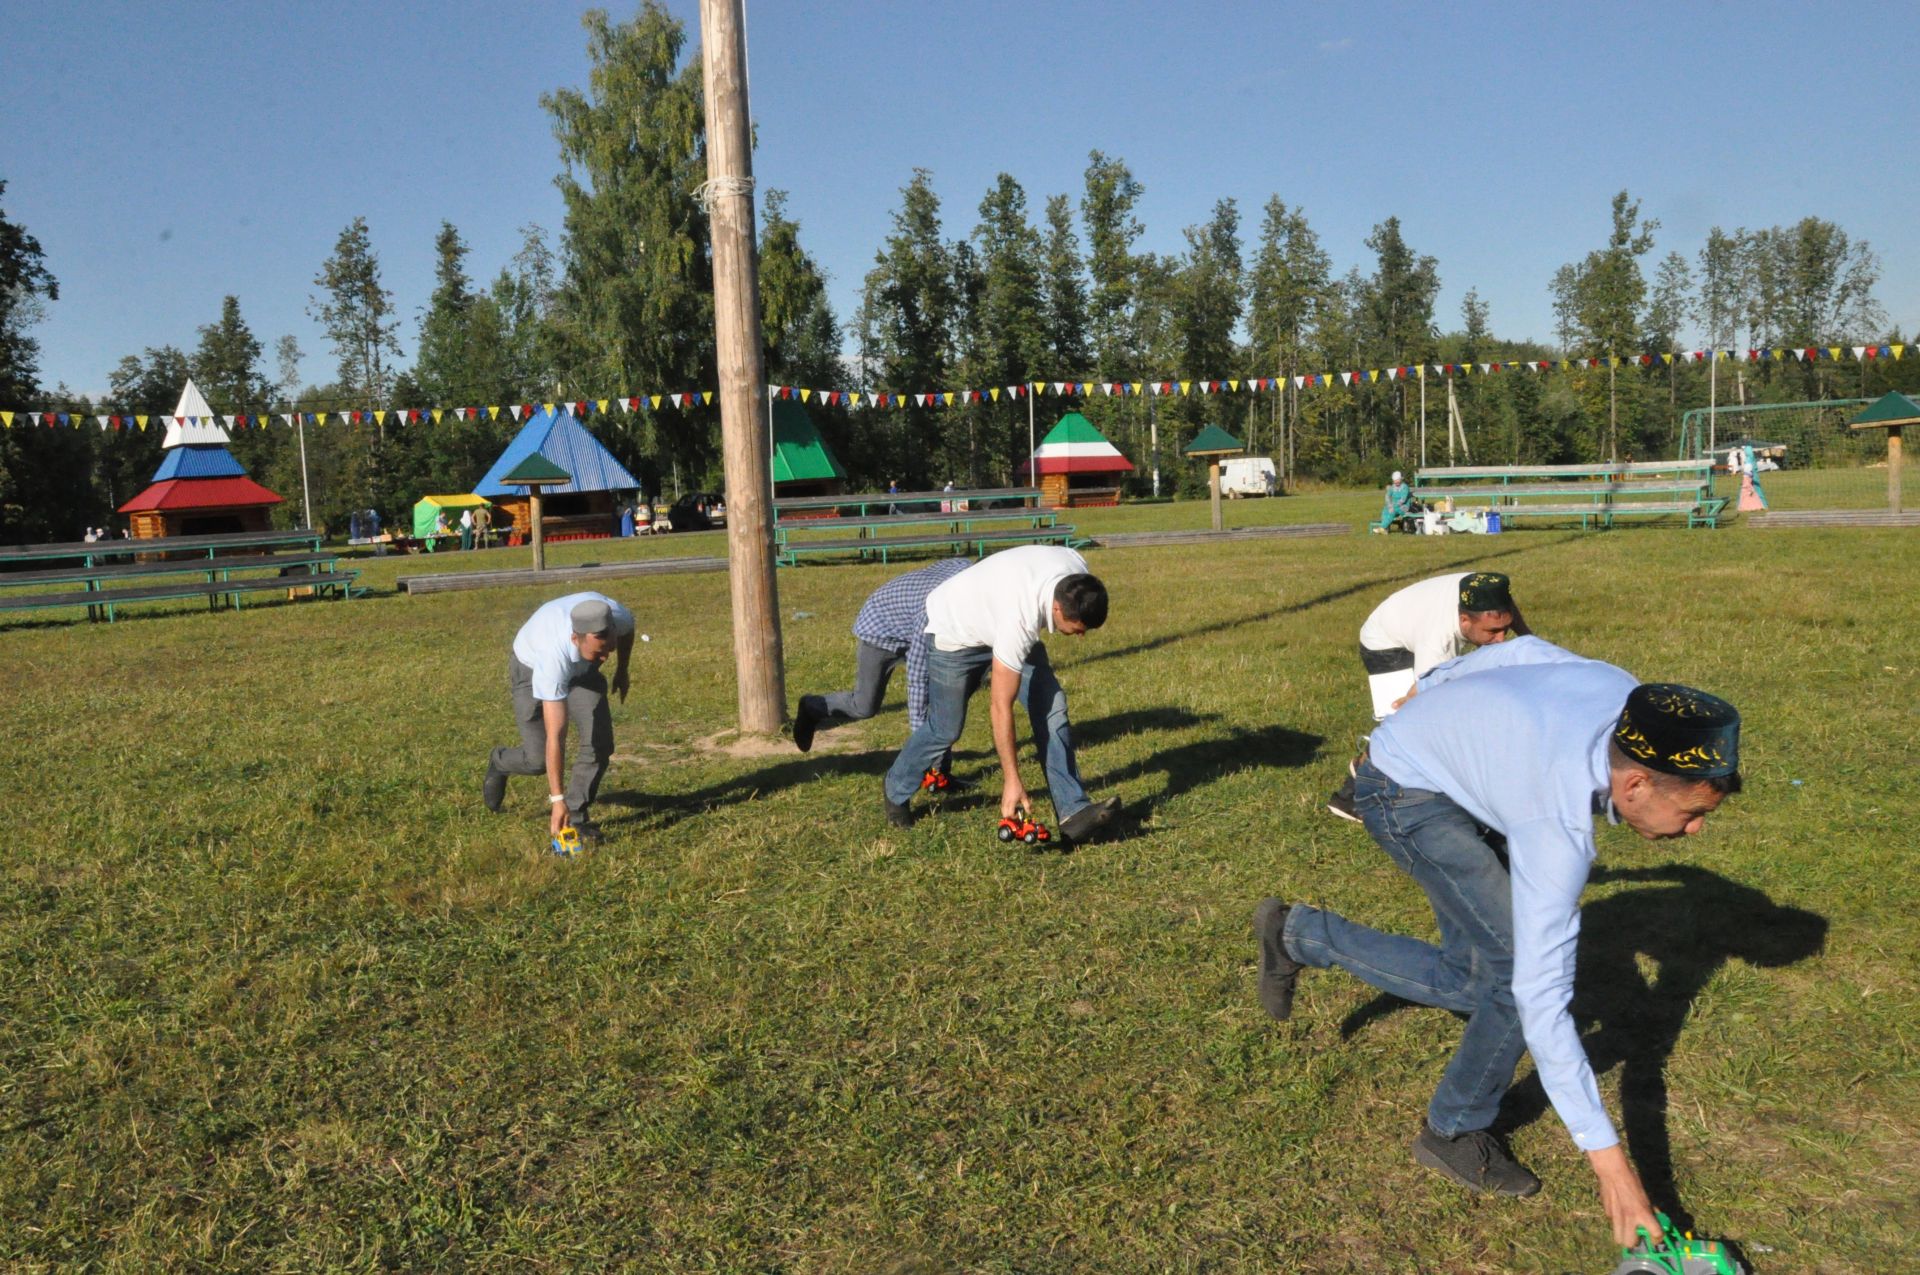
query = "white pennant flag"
x=1859 y=351
x=515 y=409
x=1393 y=374
x=286 y=418
x=1346 y=378
x=102 y=420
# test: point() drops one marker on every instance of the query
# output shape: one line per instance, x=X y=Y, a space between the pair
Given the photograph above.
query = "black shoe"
x=590 y=834
x=1475 y=1160
x=807 y=720
x=1341 y=803
x=493 y=789
x=1088 y=820
x=897 y=815
x=1279 y=973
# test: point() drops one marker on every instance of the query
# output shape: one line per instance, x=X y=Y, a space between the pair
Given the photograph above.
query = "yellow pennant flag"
x=548 y=407
x=853 y=400
x=437 y=413
x=1234 y=385
x=1184 y=385
x=380 y=418
x=947 y=398
x=493 y=413
x=805 y=395
x=142 y=420
x=1373 y=375
x=1833 y=351
x=1898 y=350
x=653 y=401
x=6 y=419
x=706 y=396
x=1667 y=359
x=994 y=393
x=1137 y=386
x=602 y=405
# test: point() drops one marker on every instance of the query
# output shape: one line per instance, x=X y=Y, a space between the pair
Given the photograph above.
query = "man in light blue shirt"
x=554 y=678
x=1530 y=742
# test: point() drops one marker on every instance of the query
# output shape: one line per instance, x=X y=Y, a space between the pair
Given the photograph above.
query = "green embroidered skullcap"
x=1680 y=731
x=1485 y=591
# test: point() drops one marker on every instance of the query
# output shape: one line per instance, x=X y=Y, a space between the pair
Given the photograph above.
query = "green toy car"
x=1676 y=1254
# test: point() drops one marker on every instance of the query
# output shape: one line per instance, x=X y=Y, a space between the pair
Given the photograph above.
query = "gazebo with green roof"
x=1213 y=443
x=1890 y=412
x=803 y=464
x=533 y=473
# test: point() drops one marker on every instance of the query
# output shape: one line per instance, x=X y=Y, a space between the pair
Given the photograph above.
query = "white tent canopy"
x=194 y=422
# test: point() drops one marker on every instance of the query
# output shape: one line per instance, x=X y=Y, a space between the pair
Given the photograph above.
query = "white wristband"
x=555 y=798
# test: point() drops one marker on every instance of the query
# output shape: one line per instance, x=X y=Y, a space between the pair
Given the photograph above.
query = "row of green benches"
x=106 y=587
x=954 y=521
x=1593 y=493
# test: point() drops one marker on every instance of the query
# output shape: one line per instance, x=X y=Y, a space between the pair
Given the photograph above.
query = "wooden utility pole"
x=757 y=657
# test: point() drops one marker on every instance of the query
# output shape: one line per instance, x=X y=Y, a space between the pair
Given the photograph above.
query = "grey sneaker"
x=1089 y=820
x=1475 y=1160
x=493 y=789
x=898 y=815
x=1279 y=973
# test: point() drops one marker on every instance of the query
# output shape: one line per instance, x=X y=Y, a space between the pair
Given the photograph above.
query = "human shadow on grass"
x=1689 y=922
x=666 y=809
x=1192 y=765
x=1332 y=595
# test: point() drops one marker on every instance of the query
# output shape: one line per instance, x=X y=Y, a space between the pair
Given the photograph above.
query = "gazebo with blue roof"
x=586 y=505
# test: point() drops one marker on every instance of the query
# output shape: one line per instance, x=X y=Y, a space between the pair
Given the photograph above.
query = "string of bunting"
x=632 y=403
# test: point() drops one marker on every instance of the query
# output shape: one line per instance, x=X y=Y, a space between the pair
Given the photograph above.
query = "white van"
x=1248 y=476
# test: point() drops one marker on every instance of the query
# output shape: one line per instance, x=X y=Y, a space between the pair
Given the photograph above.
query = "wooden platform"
x=1129 y=539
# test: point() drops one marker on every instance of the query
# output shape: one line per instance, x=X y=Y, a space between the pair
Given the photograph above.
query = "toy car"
x=938 y=782
x=1020 y=826
x=566 y=843
x=1676 y=1254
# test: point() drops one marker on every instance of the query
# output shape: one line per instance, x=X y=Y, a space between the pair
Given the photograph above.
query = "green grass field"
x=277 y=993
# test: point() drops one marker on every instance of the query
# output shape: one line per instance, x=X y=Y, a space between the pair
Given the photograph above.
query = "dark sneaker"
x=493 y=789
x=1341 y=803
x=1475 y=1160
x=1279 y=973
x=590 y=834
x=1088 y=820
x=807 y=720
x=897 y=815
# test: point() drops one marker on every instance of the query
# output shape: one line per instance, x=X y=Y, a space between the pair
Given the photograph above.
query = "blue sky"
x=166 y=155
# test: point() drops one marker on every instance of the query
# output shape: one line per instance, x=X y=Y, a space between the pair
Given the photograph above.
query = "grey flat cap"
x=591 y=616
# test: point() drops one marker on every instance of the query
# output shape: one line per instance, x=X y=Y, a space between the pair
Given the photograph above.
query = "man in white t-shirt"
x=1422 y=627
x=554 y=677
x=986 y=624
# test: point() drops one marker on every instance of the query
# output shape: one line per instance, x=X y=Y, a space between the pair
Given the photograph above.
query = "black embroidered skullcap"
x=1680 y=731
x=1485 y=591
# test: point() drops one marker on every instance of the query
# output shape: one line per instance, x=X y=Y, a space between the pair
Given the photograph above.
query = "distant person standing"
x=482 y=526
x=554 y=679
x=1421 y=627
x=466 y=528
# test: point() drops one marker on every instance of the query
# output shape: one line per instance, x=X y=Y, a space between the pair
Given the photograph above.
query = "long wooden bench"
x=106 y=601
x=978 y=541
x=97 y=551
x=209 y=567
x=1609 y=490
x=860 y=502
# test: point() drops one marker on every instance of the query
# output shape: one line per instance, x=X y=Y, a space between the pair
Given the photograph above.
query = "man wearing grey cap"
x=1533 y=743
x=554 y=677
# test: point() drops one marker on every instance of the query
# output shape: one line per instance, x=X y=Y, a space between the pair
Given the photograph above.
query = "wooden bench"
x=816 y=506
x=977 y=541
x=1593 y=493
x=96 y=552
x=106 y=601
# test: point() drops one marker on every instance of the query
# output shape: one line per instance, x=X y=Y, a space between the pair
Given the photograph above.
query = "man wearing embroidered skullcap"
x=554 y=679
x=1533 y=743
x=1420 y=627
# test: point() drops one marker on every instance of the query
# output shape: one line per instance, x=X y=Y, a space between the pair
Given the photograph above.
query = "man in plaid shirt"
x=892 y=630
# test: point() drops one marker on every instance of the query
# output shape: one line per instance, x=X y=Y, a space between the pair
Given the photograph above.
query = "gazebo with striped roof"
x=1075 y=465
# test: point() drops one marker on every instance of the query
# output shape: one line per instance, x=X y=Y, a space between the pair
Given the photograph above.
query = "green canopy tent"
x=427 y=511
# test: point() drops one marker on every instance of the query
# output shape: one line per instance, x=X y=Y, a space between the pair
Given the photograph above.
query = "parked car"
x=698 y=511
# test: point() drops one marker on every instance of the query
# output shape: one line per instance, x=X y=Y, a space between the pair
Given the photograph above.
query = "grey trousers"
x=873 y=669
x=589 y=721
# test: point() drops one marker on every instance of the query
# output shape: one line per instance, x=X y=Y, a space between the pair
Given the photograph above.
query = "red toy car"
x=1021 y=826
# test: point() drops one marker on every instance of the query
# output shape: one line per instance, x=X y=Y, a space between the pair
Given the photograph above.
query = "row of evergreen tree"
x=623 y=304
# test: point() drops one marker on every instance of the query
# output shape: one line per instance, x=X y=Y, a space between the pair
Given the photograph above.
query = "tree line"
x=622 y=302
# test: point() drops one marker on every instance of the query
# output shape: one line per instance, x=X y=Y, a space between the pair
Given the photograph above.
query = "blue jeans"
x=1471 y=972
x=952 y=678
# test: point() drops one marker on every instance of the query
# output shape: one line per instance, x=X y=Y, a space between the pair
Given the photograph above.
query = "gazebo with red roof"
x=199 y=489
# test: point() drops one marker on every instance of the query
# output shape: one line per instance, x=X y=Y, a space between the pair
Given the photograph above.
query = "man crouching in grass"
x=1532 y=745
x=554 y=678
